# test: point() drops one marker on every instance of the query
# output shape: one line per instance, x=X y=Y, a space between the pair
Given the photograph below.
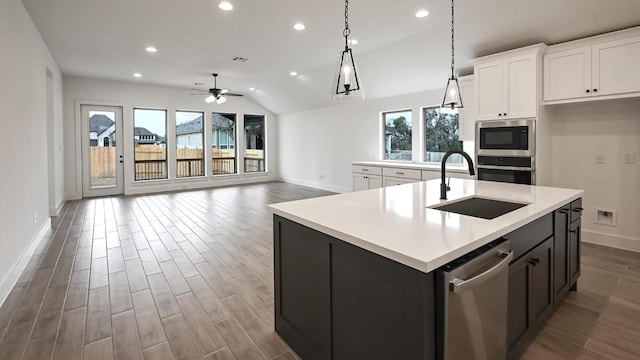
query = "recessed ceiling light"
x=151 y=49
x=138 y=75
x=226 y=6
x=299 y=26
x=252 y=89
x=293 y=73
x=422 y=13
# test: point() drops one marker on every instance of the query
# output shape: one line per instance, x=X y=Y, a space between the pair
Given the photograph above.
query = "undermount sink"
x=480 y=207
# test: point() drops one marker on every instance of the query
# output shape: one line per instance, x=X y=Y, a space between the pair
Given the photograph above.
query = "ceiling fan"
x=215 y=94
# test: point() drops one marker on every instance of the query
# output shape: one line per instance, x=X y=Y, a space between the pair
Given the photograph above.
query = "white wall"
x=325 y=141
x=24 y=60
x=131 y=95
x=612 y=129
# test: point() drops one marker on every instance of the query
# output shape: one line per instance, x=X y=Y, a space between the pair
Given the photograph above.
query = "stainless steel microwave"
x=506 y=138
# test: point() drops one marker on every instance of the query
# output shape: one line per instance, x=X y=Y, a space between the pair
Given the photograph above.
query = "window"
x=189 y=144
x=223 y=144
x=397 y=135
x=149 y=144
x=254 y=140
x=441 y=129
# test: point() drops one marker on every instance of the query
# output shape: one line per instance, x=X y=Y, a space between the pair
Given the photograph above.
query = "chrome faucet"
x=443 y=185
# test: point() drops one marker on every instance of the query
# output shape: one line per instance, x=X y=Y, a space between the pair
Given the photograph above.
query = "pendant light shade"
x=346 y=84
x=452 y=98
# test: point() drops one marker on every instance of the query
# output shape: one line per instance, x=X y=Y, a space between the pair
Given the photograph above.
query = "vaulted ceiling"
x=397 y=53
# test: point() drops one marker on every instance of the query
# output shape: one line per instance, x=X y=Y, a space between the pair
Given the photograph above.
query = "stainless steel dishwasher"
x=475 y=303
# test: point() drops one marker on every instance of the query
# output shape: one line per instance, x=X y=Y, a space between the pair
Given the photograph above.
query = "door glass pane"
x=254 y=140
x=223 y=153
x=102 y=148
x=149 y=144
x=189 y=143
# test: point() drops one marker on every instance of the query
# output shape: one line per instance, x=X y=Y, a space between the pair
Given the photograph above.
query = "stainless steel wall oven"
x=506 y=151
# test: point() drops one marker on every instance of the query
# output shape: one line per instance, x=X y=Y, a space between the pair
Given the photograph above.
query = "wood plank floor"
x=190 y=276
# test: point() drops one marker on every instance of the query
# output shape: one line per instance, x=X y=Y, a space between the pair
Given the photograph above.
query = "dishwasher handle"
x=458 y=285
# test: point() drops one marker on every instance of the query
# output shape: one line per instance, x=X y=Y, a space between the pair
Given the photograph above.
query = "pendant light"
x=452 y=98
x=346 y=84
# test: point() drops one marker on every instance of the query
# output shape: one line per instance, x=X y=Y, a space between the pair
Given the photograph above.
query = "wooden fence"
x=190 y=162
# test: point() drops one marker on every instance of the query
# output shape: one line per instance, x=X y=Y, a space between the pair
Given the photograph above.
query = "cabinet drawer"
x=363 y=169
x=576 y=209
x=392 y=181
x=430 y=175
x=413 y=174
x=524 y=239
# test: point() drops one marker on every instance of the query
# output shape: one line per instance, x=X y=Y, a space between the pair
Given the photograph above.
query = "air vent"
x=239 y=59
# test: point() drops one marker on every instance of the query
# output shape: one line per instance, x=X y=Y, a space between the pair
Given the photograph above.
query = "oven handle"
x=497 y=167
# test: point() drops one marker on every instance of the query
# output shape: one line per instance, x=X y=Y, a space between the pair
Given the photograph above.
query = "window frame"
x=383 y=136
x=202 y=134
x=425 y=134
x=264 y=145
x=166 y=145
x=216 y=143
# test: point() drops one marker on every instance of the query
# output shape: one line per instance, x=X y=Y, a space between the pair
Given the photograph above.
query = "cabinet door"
x=467 y=116
x=616 y=67
x=518 y=308
x=567 y=74
x=360 y=182
x=488 y=90
x=374 y=182
x=302 y=271
x=561 y=249
x=575 y=235
x=541 y=285
x=519 y=95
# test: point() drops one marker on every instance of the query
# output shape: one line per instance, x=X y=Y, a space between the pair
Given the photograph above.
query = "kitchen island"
x=355 y=272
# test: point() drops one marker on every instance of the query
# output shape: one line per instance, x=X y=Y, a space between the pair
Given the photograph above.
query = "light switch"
x=599 y=158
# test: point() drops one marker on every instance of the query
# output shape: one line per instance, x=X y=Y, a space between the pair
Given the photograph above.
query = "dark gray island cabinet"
x=335 y=300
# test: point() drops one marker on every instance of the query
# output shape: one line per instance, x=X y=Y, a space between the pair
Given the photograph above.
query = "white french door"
x=102 y=151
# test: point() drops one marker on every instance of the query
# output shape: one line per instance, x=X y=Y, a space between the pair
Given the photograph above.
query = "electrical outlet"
x=630 y=158
x=321 y=177
x=35 y=218
x=599 y=158
x=606 y=217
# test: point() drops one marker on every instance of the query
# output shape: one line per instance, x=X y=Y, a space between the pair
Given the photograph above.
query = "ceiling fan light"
x=221 y=100
x=209 y=99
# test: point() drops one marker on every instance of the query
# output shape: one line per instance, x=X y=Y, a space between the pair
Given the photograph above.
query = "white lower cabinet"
x=366 y=177
x=366 y=182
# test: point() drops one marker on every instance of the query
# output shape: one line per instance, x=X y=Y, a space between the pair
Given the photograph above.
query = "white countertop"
x=395 y=222
x=414 y=165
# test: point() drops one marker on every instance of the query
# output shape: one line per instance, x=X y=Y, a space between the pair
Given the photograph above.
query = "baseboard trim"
x=12 y=277
x=317 y=185
x=619 y=242
x=56 y=211
x=71 y=197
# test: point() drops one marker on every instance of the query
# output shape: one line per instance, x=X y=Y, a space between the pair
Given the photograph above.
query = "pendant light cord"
x=346 y=31
x=452 y=39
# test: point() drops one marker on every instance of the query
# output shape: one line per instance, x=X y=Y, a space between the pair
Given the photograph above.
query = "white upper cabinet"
x=616 y=67
x=567 y=74
x=605 y=70
x=467 y=115
x=507 y=88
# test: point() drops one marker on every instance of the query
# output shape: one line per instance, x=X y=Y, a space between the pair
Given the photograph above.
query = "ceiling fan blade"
x=203 y=94
x=232 y=94
x=204 y=91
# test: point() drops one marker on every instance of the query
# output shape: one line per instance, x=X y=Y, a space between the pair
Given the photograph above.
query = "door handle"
x=458 y=285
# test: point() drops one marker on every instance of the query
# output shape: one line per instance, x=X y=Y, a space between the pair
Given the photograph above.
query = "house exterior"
x=189 y=134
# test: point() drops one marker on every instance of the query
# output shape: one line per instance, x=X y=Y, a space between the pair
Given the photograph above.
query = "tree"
x=400 y=131
x=442 y=131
